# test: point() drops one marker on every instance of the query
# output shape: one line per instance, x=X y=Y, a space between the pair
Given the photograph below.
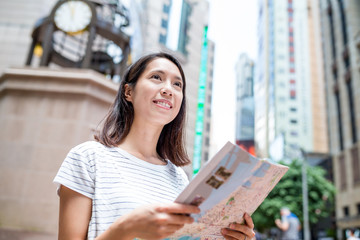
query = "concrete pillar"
x=43 y=114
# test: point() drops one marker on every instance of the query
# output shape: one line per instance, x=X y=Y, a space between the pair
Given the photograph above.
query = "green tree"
x=288 y=192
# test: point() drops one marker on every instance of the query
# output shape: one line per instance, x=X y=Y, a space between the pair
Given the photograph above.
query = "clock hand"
x=72 y=11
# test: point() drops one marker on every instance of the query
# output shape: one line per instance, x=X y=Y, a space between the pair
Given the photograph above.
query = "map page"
x=231 y=183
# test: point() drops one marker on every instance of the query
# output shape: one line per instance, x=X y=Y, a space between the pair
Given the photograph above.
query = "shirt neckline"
x=141 y=161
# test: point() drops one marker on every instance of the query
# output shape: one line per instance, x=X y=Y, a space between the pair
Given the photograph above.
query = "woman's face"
x=158 y=94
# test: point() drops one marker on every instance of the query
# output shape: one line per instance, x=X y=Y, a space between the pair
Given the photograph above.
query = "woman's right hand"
x=151 y=222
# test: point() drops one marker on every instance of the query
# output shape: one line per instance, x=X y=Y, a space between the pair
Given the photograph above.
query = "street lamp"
x=305 y=195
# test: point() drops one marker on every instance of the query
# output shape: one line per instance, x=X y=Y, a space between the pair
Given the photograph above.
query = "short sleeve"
x=183 y=178
x=77 y=171
x=284 y=219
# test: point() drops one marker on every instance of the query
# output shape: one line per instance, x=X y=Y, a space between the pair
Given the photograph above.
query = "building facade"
x=244 y=69
x=289 y=99
x=341 y=34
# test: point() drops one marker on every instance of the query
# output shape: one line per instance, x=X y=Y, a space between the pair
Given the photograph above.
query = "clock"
x=73 y=16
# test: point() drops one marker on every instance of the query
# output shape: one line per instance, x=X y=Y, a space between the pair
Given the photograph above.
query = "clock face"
x=73 y=16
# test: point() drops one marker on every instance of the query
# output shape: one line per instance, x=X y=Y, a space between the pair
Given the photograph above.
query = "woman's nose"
x=166 y=91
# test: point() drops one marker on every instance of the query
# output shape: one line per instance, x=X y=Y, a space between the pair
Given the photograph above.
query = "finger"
x=231 y=234
x=180 y=219
x=178 y=208
x=249 y=221
x=171 y=228
x=166 y=219
x=230 y=238
x=243 y=229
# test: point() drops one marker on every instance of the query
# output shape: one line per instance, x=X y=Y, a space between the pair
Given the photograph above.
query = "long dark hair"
x=121 y=115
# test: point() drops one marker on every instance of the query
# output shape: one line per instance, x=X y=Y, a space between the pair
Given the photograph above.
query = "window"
x=335 y=74
x=342 y=172
x=207 y=141
x=208 y=127
x=162 y=39
x=294 y=133
x=293 y=121
x=210 y=82
x=346 y=211
x=206 y=156
x=352 y=111
x=166 y=8
x=343 y=22
x=164 y=23
x=292 y=94
x=339 y=117
x=293 y=109
x=358 y=208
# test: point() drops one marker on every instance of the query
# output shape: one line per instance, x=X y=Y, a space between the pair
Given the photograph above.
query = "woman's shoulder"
x=89 y=148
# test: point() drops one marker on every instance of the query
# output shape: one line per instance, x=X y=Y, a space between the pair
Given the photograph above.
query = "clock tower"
x=83 y=34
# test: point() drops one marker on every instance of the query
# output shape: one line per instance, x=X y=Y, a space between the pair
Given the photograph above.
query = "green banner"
x=200 y=106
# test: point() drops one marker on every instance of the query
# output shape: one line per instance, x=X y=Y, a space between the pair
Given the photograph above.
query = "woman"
x=123 y=185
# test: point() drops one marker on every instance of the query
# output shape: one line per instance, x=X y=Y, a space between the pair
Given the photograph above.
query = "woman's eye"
x=156 y=77
x=178 y=84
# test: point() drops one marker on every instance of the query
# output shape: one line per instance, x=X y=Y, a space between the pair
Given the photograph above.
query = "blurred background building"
x=288 y=84
x=48 y=107
x=306 y=91
x=341 y=43
x=245 y=110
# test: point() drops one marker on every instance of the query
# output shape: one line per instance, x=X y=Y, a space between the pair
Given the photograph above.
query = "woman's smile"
x=163 y=103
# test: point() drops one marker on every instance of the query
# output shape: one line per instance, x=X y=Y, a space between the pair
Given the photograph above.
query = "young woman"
x=123 y=185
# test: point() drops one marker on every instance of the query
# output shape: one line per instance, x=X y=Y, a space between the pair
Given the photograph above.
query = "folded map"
x=231 y=183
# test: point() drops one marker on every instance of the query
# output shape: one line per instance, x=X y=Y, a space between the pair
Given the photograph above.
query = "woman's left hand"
x=243 y=231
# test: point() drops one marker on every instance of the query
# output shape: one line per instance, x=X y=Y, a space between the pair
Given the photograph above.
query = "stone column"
x=43 y=114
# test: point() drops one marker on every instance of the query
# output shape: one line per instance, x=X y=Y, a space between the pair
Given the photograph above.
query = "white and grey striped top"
x=117 y=182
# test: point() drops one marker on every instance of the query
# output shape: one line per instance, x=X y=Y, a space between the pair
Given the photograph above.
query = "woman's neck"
x=142 y=141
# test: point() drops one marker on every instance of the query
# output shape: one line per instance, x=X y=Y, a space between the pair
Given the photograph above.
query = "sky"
x=233 y=28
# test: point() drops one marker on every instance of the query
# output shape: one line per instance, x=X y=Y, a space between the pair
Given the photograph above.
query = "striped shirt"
x=117 y=182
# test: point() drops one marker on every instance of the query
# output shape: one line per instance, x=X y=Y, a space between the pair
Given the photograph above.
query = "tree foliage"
x=288 y=192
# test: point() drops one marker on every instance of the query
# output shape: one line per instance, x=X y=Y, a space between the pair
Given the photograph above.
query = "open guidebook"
x=231 y=183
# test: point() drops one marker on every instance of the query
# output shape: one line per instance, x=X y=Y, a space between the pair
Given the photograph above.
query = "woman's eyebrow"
x=162 y=72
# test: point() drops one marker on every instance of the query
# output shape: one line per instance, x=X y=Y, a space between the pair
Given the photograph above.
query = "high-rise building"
x=288 y=86
x=341 y=44
x=244 y=69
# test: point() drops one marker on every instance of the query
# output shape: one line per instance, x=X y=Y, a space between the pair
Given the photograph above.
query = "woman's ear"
x=128 y=92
